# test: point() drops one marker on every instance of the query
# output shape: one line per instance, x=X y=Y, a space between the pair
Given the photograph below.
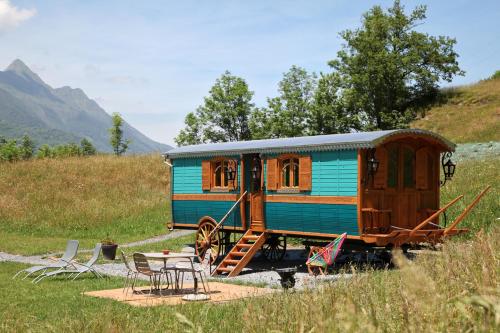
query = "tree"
x=45 y=152
x=27 y=148
x=191 y=134
x=329 y=114
x=9 y=151
x=224 y=115
x=119 y=145
x=388 y=70
x=86 y=148
x=287 y=115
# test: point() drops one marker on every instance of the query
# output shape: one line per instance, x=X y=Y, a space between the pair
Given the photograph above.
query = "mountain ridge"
x=30 y=106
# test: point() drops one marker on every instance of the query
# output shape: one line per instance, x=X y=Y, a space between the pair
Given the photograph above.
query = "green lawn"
x=448 y=291
x=122 y=230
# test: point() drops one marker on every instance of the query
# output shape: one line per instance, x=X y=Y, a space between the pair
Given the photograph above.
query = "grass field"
x=449 y=291
x=468 y=113
x=45 y=202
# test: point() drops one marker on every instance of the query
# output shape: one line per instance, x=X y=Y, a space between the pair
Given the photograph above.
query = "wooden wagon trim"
x=306 y=199
x=309 y=234
x=312 y=199
x=195 y=226
x=206 y=197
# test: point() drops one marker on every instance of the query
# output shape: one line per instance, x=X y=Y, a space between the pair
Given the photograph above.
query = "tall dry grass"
x=469 y=114
x=84 y=197
x=455 y=290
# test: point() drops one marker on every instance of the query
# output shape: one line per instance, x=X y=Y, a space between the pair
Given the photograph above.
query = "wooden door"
x=257 y=198
x=401 y=184
x=257 y=211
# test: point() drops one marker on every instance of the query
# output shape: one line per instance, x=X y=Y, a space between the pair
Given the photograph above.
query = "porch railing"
x=221 y=222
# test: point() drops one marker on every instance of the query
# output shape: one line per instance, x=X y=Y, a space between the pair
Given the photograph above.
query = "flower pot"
x=109 y=251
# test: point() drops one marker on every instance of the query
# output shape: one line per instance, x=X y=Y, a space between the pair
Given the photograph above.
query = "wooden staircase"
x=241 y=254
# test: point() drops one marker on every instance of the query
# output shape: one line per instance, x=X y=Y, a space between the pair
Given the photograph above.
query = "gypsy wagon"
x=381 y=188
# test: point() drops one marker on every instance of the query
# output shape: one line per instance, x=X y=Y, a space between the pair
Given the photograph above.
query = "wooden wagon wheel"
x=202 y=241
x=312 y=269
x=275 y=248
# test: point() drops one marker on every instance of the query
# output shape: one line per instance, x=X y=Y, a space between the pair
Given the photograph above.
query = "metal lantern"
x=256 y=169
x=448 y=167
x=230 y=173
x=371 y=164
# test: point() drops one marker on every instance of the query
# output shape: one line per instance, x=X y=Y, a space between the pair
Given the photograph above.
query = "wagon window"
x=290 y=173
x=409 y=168
x=392 y=170
x=219 y=174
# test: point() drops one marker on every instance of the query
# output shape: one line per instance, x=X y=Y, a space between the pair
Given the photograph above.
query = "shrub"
x=27 y=148
x=87 y=148
x=45 y=152
x=9 y=151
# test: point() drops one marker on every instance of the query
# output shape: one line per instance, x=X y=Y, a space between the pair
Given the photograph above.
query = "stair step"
x=231 y=261
x=237 y=253
x=246 y=246
x=224 y=269
x=251 y=237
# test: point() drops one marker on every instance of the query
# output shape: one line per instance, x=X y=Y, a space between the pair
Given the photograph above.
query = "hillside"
x=45 y=202
x=467 y=113
x=57 y=115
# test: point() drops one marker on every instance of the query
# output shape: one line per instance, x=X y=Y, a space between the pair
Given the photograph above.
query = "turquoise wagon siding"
x=190 y=211
x=334 y=173
x=186 y=177
x=322 y=218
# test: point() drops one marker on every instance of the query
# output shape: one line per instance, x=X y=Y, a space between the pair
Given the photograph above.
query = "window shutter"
x=422 y=169
x=205 y=175
x=233 y=184
x=272 y=174
x=305 y=173
x=380 y=177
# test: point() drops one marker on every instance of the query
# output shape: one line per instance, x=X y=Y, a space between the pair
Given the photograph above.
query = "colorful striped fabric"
x=327 y=255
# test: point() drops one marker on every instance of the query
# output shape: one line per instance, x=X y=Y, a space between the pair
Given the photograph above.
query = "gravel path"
x=161 y=238
x=258 y=272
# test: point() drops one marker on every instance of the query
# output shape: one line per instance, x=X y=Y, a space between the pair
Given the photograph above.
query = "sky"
x=154 y=61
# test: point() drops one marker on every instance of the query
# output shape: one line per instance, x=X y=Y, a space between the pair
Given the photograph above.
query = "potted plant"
x=109 y=248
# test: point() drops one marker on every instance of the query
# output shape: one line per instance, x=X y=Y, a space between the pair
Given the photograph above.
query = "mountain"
x=58 y=115
x=466 y=113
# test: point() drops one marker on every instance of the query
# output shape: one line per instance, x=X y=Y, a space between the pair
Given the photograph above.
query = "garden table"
x=160 y=256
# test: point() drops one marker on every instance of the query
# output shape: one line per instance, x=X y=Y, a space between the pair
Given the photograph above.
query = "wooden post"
x=433 y=216
x=466 y=211
x=243 y=204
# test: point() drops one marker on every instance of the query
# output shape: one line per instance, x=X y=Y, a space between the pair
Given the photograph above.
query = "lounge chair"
x=78 y=268
x=61 y=263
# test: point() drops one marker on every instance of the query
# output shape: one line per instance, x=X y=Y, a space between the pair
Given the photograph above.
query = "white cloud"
x=11 y=16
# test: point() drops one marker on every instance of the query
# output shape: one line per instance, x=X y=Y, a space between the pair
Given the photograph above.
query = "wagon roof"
x=358 y=140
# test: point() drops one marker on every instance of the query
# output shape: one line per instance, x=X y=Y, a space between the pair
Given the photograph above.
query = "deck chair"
x=78 y=268
x=61 y=263
x=327 y=255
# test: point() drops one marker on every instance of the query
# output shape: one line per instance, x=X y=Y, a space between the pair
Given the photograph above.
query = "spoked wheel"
x=312 y=269
x=203 y=242
x=275 y=248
